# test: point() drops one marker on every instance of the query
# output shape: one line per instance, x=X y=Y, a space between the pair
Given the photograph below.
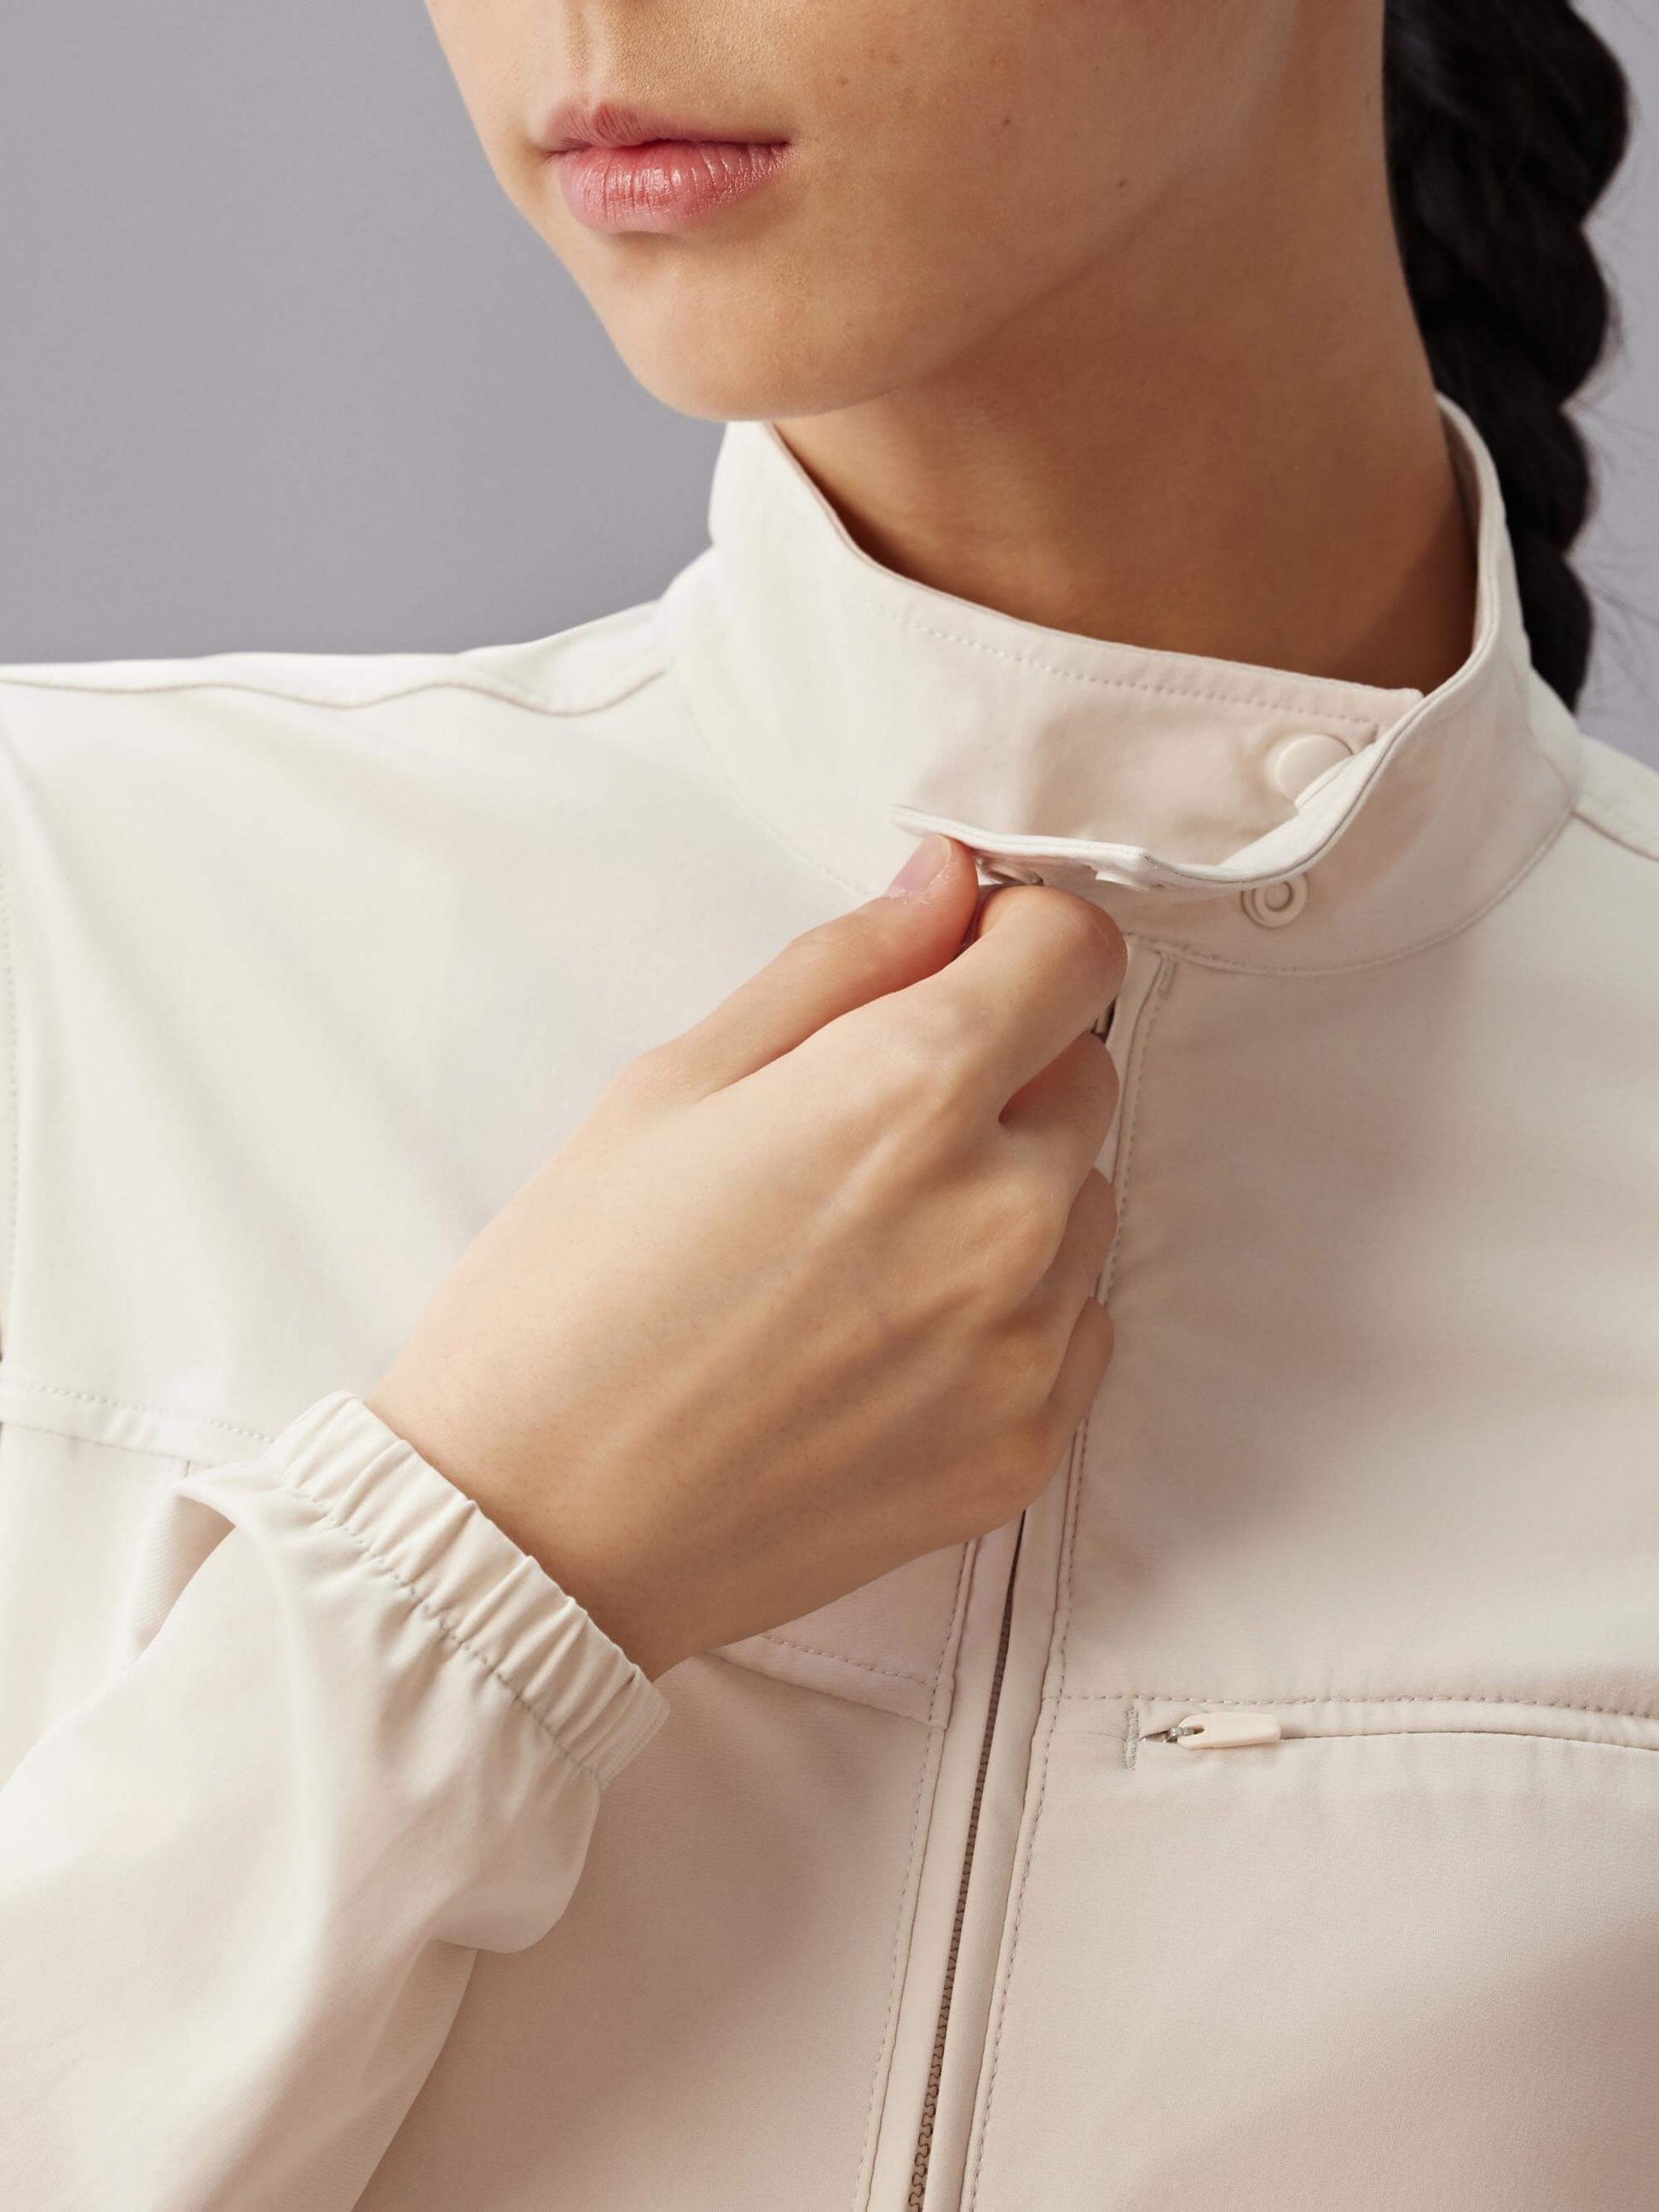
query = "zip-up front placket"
x=930 y=2098
x=1024 y=1649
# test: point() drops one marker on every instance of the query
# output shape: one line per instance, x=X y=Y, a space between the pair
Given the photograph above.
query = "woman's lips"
x=663 y=184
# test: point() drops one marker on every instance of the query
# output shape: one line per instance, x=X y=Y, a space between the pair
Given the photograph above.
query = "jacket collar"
x=1252 y=817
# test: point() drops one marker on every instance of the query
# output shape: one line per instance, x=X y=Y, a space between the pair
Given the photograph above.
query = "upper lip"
x=574 y=123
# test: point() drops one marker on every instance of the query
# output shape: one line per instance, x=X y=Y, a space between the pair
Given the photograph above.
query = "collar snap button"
x=1296 y=763
x=1274 y=904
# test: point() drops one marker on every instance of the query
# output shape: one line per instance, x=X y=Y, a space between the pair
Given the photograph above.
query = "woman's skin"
x=1090 y=311
x=810 y=1292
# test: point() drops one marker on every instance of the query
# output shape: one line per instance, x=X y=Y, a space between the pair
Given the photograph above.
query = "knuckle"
x=1001 y=903
x=926 y=1049
x=649 y=1078
x=857 y=945
x=1018 y=1224
x=830 y=948
x=1011 y=1370
x=1086 y=932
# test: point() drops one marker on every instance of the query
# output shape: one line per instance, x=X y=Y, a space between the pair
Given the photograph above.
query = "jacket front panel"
x=1376 y=1450
x=375 y=965
x=1374 y=1459
x=1377 y=1460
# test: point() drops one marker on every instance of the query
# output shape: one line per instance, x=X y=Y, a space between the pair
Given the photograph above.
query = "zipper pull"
x=1218 y=1731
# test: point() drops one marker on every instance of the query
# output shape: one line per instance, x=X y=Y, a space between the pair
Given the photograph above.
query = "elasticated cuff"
x=499 y=1603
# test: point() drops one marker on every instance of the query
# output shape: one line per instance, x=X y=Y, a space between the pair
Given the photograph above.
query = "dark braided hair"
x=1506 y=122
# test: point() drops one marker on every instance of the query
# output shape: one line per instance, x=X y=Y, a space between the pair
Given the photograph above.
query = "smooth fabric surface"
x=344 y=1861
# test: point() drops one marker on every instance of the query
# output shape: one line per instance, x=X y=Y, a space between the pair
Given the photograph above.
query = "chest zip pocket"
x=1218 y=1731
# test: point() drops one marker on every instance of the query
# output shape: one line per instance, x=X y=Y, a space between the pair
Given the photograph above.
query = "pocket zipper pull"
x=1218 y=1731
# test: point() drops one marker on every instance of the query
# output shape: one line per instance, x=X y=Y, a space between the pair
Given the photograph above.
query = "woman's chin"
x=713 y=374
x=733 y=357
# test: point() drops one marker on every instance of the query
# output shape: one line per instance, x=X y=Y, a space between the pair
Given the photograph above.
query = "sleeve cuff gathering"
x=493 y=1600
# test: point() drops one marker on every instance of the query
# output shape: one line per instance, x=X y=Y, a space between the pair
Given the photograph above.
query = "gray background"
x=281 y=368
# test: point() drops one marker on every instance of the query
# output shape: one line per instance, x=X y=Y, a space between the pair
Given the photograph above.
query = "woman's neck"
x=1227 y=443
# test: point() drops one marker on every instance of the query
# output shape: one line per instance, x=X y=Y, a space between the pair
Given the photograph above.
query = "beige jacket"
x=344 y=1861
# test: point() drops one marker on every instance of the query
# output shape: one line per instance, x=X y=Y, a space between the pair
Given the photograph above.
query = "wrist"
x=607 y=1593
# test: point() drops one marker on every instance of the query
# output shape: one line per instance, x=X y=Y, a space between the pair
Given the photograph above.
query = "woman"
x=485 y=1329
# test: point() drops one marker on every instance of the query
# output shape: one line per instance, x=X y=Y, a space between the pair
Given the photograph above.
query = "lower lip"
x=664 y=186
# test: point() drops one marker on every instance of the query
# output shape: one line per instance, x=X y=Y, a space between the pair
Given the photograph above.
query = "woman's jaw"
x=781 y=207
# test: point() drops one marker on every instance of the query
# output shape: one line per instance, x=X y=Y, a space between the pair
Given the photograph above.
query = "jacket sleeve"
x=241 y=1886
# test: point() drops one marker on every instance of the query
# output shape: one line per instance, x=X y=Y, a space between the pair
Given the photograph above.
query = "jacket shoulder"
x=203 y=860
x=1619 y=798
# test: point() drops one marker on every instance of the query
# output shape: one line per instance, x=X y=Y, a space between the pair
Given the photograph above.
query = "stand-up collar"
x=1257 y=816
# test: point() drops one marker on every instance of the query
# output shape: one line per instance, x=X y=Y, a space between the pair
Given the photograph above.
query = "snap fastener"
x=1296 y=762
x=1274 y=904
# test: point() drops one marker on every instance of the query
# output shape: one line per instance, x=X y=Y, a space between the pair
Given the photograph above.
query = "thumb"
x=914 y=929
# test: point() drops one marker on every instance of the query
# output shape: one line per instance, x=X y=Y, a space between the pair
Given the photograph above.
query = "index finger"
x=1043 y=966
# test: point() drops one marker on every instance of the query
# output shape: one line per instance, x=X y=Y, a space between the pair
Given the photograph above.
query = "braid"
x=1506 y=122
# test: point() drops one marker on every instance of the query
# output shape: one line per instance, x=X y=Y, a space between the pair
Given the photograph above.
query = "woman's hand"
x=810 y=1291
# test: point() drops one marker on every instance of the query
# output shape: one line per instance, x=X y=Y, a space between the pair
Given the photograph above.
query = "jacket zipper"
x=1143 y=977
x=936 y=2064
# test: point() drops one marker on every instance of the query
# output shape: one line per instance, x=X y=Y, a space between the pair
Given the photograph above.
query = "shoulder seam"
x=559 y=710
x=1599 y=805
x=643 y=668
x=1616 y=834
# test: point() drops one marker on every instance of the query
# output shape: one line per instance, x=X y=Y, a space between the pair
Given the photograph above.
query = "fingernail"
x=920 y=870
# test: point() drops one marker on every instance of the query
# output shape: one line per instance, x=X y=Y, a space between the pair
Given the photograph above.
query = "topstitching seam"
x=1063 y=1611
x=1465 y=1735
x=1361 y=1697
x=131 y=1406
x=488 y=688
x=1309 y=712
x=928 y=1763
x=1297 y=695
x=895 y=1979
x=864 y=1666
x=1125 y=1163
